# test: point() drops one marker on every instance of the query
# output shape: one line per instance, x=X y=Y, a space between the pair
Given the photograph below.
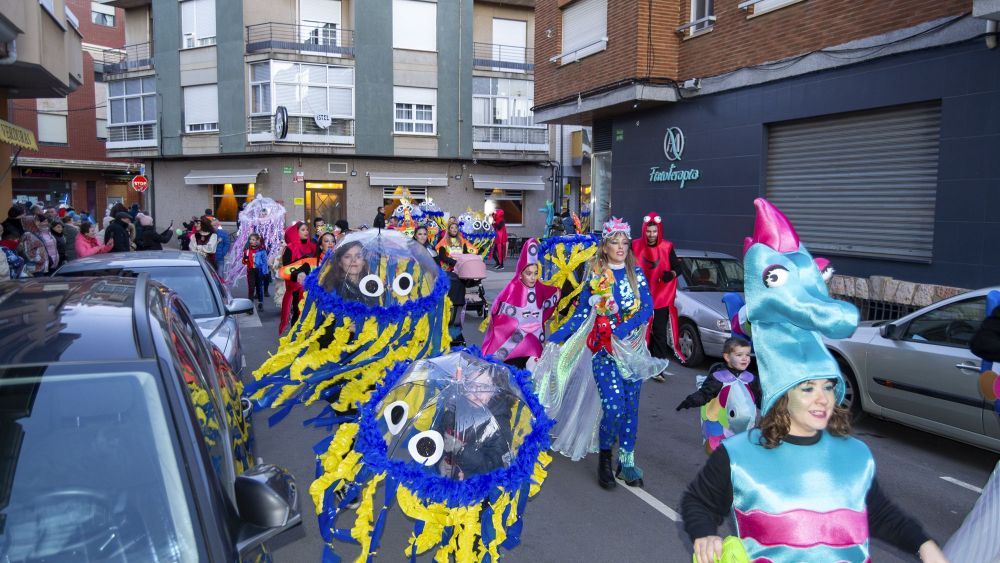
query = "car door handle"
x=968 y=366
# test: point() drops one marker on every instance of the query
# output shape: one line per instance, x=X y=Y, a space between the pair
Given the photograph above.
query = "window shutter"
x=584 y=23
x=404 y=95
x=187 y=20
x=414 y=25
x=861 y=184
x=201 y=104
x=205 y=19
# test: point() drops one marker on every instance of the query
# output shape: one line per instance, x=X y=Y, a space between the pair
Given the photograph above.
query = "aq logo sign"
x=673 y=149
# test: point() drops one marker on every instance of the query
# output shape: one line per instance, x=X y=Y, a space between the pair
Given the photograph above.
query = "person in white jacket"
x=205 y=240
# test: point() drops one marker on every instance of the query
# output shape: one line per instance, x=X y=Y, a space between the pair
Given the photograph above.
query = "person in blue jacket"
x=221 y=249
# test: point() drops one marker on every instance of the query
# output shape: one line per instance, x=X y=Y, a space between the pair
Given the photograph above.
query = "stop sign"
x=140 y=184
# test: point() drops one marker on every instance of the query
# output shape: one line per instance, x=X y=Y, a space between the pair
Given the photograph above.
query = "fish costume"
x=591 y=372
x=378 y=299
x=457 y=442
x=517 y=320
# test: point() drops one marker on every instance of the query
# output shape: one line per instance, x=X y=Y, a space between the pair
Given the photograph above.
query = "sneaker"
x=659 y=378
x=260 y=306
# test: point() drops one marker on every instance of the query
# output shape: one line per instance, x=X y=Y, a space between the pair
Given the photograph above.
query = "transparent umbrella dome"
x=455 y=415
x=379 y=268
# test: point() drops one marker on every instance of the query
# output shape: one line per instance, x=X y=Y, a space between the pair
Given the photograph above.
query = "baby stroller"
x=467 y=292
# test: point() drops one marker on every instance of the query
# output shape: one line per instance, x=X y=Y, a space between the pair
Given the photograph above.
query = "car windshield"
x=712 y=274
x=89 y=471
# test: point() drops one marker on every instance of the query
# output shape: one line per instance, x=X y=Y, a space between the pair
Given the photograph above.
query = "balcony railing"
x=506 y=58
x=505 y=137
x=301 y=129
x=132 y=57
x=131 y=136
x=316 y=38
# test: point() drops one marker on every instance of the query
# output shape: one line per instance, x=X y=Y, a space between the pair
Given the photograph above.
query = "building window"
x=133 y=110
x=311 y=93
x=52 y=120
x=197 y=23
x=102 y=14
x=764 y=6
x=414 y=25
x=319 y=21
x=201 y=108
x=584 y=29
x=501 y=113
x=512 y=203
x=414 y=110
x=701 y=13
x=101 y=109
x=228 y=199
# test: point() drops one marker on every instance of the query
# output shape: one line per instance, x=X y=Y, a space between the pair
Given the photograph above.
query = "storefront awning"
x=378 y=179
x=17 y=136
x=238 y=176
x=524 y=183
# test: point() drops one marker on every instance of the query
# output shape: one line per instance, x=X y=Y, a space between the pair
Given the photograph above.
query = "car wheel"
x=852 y=399
x=689 y=342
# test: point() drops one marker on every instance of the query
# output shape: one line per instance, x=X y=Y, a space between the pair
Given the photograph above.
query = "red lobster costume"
x=657 y=262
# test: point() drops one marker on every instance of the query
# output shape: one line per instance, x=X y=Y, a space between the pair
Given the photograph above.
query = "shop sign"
x=40 y=173
x=17 y=136
x=286 y=169
x=673 y=149
x=140 y=183
x=299 y=200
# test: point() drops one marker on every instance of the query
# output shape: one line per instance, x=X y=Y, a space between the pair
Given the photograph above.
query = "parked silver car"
x=187 y=274
x=703 y=323
x=918 y=371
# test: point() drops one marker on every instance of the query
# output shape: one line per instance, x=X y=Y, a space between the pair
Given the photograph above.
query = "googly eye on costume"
x=775 y=276
x=372 y=285
x=427 y=447
x=657 y=220
x=396 y=415
x=403 y=284
x=477 y=225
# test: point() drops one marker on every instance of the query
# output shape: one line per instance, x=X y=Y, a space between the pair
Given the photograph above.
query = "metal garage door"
x=862 y=184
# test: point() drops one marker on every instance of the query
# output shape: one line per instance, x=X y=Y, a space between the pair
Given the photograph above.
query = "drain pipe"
x=11 y=57
x=991 y=34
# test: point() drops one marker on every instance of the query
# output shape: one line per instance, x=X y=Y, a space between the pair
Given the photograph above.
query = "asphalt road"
x=572 y=519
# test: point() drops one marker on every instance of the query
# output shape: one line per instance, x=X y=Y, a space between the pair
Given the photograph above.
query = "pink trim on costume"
x=805 y=528
x=769 y=560
x=773 y=228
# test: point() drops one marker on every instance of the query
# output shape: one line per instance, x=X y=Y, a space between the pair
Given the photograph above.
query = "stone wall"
x=889 y=290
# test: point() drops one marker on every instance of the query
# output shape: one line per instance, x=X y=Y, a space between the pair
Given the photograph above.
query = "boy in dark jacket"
x=117 y=232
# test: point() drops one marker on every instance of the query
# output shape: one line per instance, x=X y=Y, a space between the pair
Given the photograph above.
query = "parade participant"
x=728 y=397
x=297 y=246
x=266 y=218
x=517 y=319
x=453 y=242
x=422 y=236
x=656 y=256
x=500 y=242
x=799 y=487
x=221 y=248
x=605 y=343
x=205 y=240
x=255 y=261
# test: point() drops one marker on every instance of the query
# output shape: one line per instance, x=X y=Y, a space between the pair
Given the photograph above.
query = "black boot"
x=605 y=475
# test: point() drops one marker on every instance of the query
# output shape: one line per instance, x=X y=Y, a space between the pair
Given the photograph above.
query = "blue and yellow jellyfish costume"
x=376 y=300
x=457 y=441
x=562 y=261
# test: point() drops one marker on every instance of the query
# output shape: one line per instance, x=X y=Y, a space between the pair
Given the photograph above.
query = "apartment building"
x=873 y=125
x=40 y=57
x=333 y=107
x=71 y=165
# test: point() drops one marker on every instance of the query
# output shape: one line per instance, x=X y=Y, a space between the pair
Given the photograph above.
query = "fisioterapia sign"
x=673 y=149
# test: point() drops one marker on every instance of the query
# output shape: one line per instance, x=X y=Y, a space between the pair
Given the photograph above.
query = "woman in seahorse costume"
x=799 y=487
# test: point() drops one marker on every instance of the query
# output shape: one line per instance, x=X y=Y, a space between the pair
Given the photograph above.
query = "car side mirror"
x=889 y=330
x=240 y=306
x=268 y=502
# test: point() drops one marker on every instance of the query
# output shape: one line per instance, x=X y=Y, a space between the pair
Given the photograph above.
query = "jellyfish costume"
x=562 y=261
x=457 y=442
x=477 y=230
x=265 y=217
x=434 y=218
x=376 y=300
x=409 y=216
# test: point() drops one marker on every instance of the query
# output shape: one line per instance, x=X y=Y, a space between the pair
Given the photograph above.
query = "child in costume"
x=255 y=261
x=298 y=245
x=265 y=218
x=728 y=397
x=799 y=487
x=517 y=320
x=605 y=343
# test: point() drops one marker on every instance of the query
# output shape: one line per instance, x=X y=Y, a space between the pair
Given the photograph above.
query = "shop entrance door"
x=327 y=200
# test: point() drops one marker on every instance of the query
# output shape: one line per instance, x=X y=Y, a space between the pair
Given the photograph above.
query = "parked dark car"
x=206 y=297
x=122 y=431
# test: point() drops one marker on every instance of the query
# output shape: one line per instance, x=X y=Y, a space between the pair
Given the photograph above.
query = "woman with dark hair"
x=325 y=243
x=347 y=273
x=422 y=236
x=205 y=240
x=87 y=244
x=298 y=245
x=56 y=229
x=51 y=245
x=12 y=224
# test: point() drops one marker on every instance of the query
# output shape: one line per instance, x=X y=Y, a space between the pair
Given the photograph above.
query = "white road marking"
x=962 y=484
x=651 y=501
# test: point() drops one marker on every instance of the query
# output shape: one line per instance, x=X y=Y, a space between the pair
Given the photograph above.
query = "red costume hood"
x=300 y=249
x=654 y=261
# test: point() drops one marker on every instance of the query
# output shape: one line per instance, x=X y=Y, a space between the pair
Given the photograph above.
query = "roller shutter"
x=862 y=184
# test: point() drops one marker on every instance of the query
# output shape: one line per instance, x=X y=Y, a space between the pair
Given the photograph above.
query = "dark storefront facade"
x=889 y=167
